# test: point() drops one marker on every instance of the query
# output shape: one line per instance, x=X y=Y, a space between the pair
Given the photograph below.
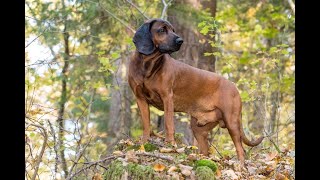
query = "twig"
x=79 y=156
x=45 y=135
x=130 y=2
x=277 y=148
x=217 y=151
x=164 y=10
x=292 y=6
x=90 y=164
x=168 y=158
x=55 y=148
x=114 y=16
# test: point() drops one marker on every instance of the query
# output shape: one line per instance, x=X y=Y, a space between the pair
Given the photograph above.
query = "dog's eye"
x=161 y=30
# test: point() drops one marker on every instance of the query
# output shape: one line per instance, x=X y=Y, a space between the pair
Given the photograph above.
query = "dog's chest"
x=152 y=96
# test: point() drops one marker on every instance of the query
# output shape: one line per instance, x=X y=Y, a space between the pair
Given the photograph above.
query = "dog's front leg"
x=145 y=116
x=168 y=117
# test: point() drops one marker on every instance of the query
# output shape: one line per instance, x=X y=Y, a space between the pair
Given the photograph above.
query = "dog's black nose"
x=179 y=40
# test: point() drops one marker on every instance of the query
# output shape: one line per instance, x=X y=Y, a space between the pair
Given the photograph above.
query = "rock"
x=229 y=174
x=252 y=170
x=183 y=167
x=166 y=150
x=186 y=172
x=180 y=150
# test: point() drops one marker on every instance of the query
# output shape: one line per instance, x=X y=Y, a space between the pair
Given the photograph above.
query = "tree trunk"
x=63 y=98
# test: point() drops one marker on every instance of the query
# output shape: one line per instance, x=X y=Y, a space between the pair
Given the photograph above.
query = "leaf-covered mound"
x=158 y=160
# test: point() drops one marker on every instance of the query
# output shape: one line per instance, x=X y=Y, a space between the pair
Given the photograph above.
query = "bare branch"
x=79 y=156
x=114 y=16
x=292 y=6
x=39 y=158
x=55 y=148
x=164 y=10
x=130 y=2
x=93 y=164
x=168 y=158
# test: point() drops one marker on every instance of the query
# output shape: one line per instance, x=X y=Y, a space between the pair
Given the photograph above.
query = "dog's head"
x=156 y=34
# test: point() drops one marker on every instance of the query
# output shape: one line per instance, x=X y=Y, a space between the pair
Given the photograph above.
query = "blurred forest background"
x=78 y=104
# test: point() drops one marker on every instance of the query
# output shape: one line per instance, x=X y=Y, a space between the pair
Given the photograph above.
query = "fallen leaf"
x=97 y=176
x=129 y=142
x=172 y=169
x=166 y=150
x=280 y=176
x=270 y=156
x=192 y=147
x=252 y=170
x=180 y=150
x=192 y=157
x=141 y=149
x=218 y=173
x=131 y=156
x=117 y=153
x=159 y=134
x=159 y=167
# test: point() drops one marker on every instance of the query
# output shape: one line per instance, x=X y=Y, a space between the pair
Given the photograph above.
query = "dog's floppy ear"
x=142 y=39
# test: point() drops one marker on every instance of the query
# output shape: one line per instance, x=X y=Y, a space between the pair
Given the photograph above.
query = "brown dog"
x=172 y=86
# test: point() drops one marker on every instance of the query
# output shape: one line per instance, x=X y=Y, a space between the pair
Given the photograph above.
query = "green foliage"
x=149 y=147
x=204 y=173
x=206 y=162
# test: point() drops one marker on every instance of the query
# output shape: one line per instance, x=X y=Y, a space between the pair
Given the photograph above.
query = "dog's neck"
x=151 y=63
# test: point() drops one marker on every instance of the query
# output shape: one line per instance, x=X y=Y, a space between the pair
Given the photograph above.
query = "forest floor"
x=158 y=160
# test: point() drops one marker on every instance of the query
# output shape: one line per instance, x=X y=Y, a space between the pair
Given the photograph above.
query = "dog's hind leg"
x=232 y=122
x=201 y=134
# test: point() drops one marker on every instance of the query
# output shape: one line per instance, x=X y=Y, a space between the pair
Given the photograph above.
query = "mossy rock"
x=204 y=173
x=140 y=172
x=208 y=163
x=115 y=170
x=135 y=171
x=150 y=147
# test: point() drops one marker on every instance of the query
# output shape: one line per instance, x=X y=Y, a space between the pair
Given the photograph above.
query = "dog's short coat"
x=172 y=86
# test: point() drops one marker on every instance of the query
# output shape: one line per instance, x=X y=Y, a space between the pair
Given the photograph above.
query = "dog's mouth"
x=169 y=50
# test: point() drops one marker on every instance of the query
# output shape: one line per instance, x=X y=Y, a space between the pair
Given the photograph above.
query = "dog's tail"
x=247 y=141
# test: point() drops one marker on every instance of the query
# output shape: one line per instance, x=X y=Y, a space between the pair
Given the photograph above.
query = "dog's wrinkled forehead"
x=158 y=23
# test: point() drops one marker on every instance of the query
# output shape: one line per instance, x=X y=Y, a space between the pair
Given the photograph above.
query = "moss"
x=140 y=172
x=208 y=163
x=204 y=173
x=135 y=171
x=135 y=147
x=150 y=147
x=182 y=156
x=115 y=171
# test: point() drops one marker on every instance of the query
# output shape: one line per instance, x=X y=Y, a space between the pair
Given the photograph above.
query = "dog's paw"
x=144 y=138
